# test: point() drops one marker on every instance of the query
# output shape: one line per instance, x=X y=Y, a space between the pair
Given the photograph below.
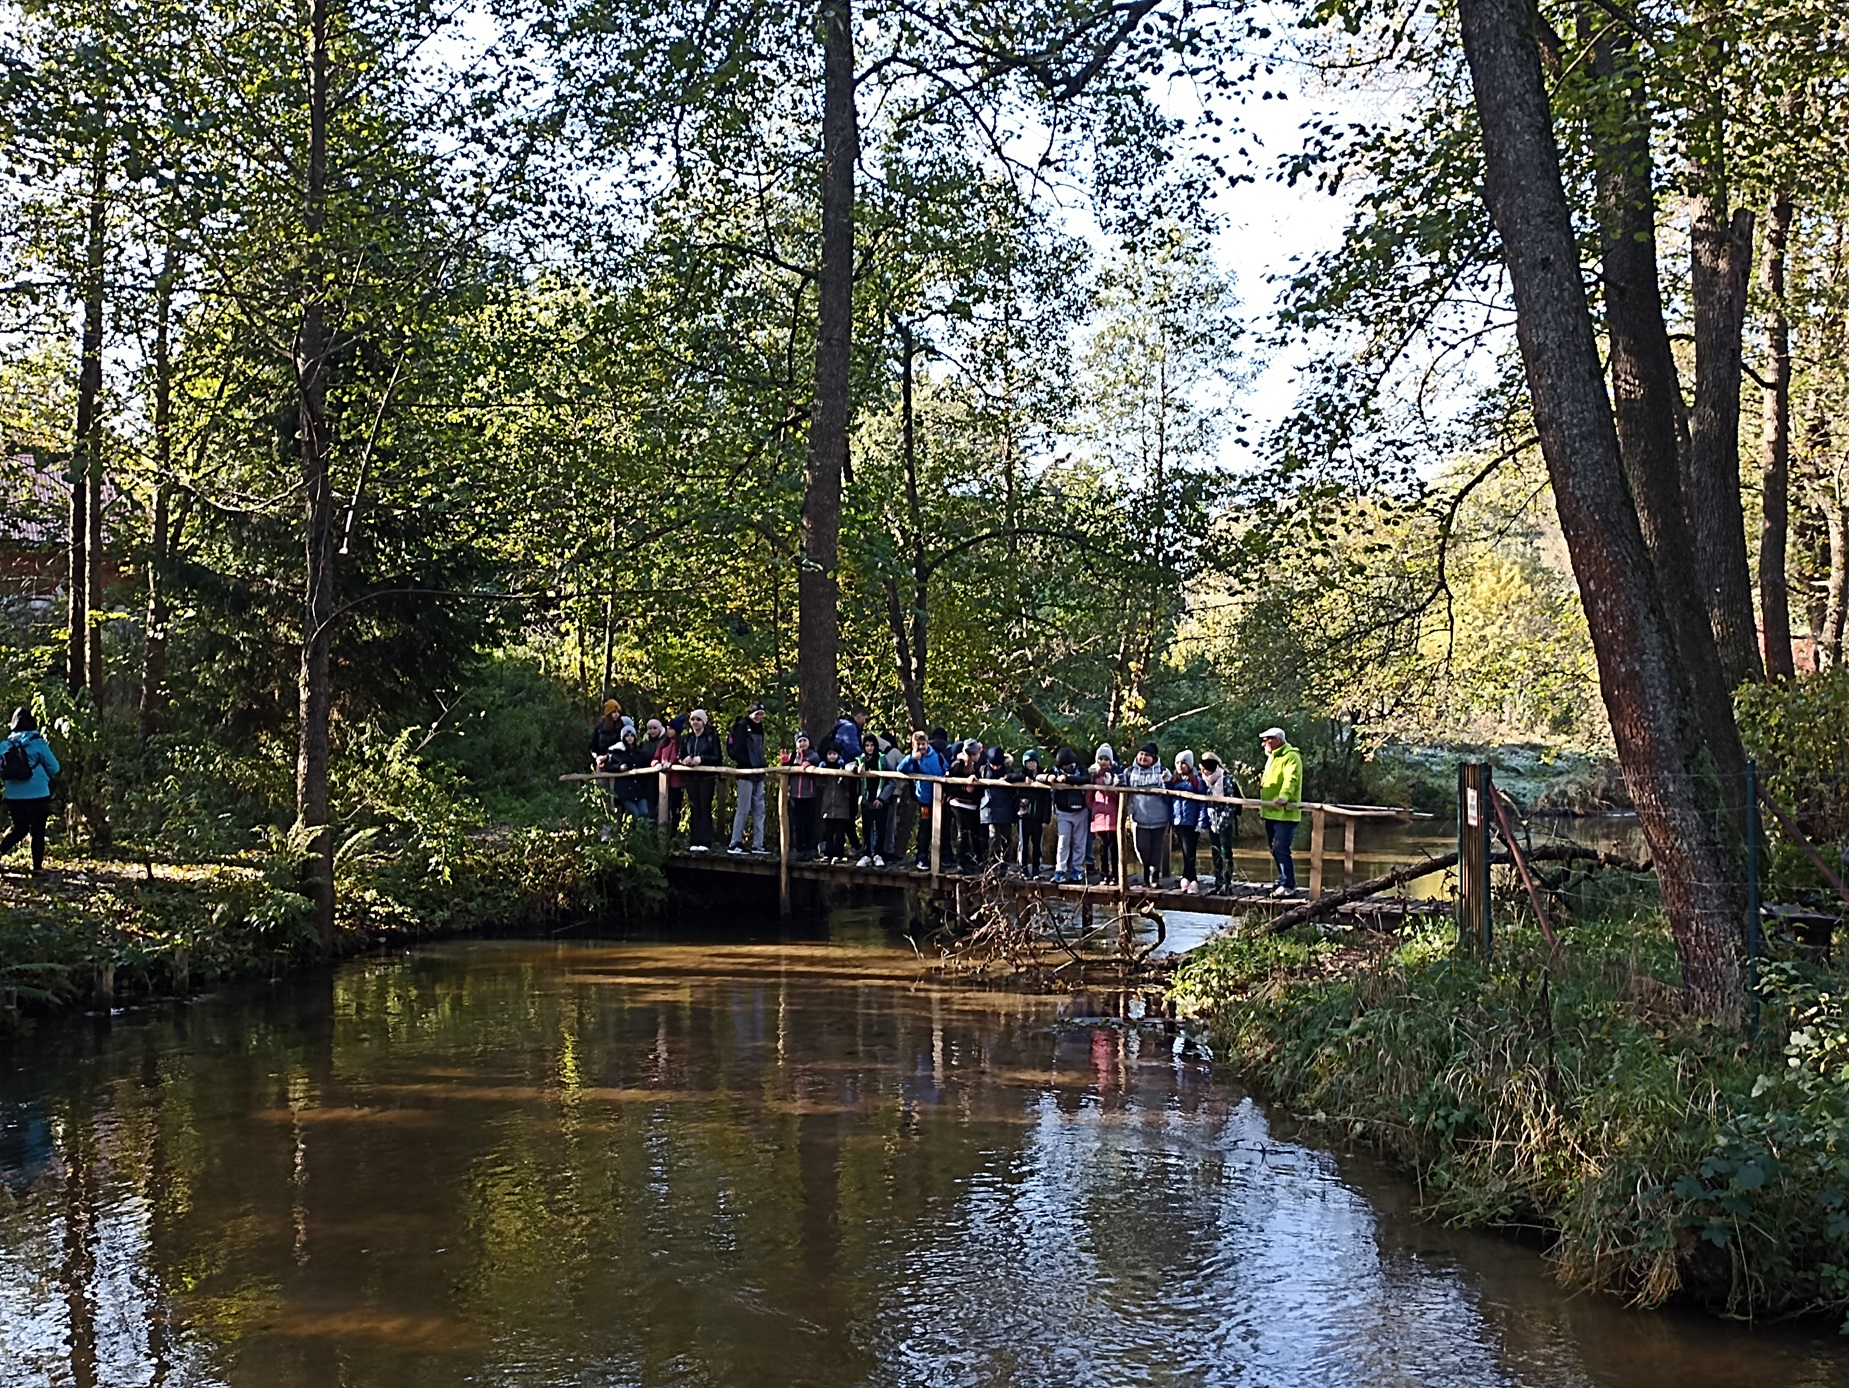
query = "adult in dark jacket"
x=28 y=797
x=700 y=747
x=995 y=812
x=746 y=746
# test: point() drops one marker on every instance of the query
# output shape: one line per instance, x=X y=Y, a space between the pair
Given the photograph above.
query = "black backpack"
x=15 y=764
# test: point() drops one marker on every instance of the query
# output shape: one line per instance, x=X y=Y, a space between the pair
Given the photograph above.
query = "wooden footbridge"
x=1121 y=895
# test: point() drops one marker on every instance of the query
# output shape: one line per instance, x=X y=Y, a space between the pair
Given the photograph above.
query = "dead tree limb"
x=1400 y=876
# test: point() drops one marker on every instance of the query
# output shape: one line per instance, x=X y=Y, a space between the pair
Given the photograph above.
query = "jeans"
x=1074 y=838
x=1033 y=843
x=1221 y=842
x=1279 y=834
x=1000 y=847
x=1187 y=840
x=750 y=809
x=29 y=818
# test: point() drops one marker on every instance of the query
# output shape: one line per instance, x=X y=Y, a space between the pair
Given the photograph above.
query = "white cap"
x=1278 y=733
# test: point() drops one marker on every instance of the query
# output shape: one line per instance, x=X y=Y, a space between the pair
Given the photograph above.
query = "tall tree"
x=818 y=586
x=1670 y=776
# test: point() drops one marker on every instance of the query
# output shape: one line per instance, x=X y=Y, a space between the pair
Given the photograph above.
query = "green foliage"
x=1799 y=731
x=1665 y=1156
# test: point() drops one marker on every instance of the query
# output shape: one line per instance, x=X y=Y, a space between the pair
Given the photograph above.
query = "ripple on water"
x=531 y=1164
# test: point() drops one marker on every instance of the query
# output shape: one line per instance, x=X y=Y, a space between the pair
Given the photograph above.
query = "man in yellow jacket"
x=1281 y=787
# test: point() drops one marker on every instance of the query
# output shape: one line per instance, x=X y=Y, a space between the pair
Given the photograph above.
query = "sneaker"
x=866 y=860
x=923 y=865
x=878 y=861
x=1193 y=888
x=735 y=851
x=696 y=848
x=1280 y=891
x=760 y=852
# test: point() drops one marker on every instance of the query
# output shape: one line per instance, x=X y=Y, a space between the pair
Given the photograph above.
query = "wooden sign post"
x=1473 y=817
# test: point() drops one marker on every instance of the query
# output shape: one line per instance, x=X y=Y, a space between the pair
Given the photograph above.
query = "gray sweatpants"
x=750 y=801
x=1074 y=829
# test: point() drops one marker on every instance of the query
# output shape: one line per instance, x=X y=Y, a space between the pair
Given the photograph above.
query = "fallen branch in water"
x=1400 y=876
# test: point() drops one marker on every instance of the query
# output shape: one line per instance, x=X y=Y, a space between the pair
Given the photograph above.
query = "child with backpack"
x=27 y=765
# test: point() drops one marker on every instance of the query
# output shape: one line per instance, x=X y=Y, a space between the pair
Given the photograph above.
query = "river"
x=731 y=1163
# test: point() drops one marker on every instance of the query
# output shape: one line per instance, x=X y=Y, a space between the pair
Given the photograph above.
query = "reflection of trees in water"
x=739 y=1165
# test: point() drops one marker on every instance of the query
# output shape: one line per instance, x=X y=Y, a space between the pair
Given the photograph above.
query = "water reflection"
x=523 y=1163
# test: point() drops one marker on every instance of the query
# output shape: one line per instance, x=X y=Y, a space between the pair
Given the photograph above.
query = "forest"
x=383 y=385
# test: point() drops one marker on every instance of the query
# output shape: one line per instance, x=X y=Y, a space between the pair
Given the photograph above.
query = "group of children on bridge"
x=999 y=810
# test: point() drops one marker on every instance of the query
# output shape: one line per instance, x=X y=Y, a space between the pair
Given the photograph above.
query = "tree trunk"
x=1836 y=599
x=818 y=590
x=1672 y=784
x=1720 y=254
x=1646 y=393
x=1774 y=533
x=87 y=444
x=160 y=545
x=311 y=352
x=910 y=643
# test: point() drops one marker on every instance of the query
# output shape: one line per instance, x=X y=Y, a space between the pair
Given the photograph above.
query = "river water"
x=788 y=1162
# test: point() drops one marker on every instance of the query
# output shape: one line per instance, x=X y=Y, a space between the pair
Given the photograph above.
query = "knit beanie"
x=1184 y=758
x=1104 y=753
x=1149 y=748
x=1067 y=757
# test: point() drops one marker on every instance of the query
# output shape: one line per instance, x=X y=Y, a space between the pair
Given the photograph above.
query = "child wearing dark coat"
x=1033 y=807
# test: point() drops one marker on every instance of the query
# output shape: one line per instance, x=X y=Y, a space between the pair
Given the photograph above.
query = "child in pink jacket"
x=1105 y=806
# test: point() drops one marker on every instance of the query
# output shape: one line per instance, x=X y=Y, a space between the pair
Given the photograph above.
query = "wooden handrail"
x=1396 y=812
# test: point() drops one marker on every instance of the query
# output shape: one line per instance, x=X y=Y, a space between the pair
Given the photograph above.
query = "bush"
x=1666 y=1158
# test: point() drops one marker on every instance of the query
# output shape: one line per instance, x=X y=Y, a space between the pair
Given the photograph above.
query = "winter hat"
x=1149 y=749
x=699 y=713
x=654 y=727
x=1184 y=758
x=629 y=731
x=610 y=706
x=1209 y=762
x=23 y=721
x=1104 y=753
x=1032 y=754
x=628 y=724
x=997 y=757
x=802 y=736
x=756 y=706
x=1067 y=757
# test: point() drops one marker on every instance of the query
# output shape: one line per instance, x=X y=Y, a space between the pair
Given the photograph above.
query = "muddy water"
x=733 y=1164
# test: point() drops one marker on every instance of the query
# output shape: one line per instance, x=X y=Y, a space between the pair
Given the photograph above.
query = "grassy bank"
x=100 y=929
x=1664 y=1159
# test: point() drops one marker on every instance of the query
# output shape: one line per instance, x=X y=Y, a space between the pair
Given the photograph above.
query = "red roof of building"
x=35 y=502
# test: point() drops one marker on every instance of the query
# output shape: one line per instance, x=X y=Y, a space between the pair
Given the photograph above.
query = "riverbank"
x=105 y=930
x=1662 y=1159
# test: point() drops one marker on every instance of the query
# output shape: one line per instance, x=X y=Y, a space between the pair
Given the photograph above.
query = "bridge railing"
x=1320 y=812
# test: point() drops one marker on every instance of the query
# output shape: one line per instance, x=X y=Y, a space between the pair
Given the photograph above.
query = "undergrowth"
x=1666 y=1158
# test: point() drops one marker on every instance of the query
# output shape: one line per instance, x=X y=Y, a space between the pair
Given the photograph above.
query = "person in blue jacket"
x=1185 y=815
x=28 y=796
x=925 y=760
